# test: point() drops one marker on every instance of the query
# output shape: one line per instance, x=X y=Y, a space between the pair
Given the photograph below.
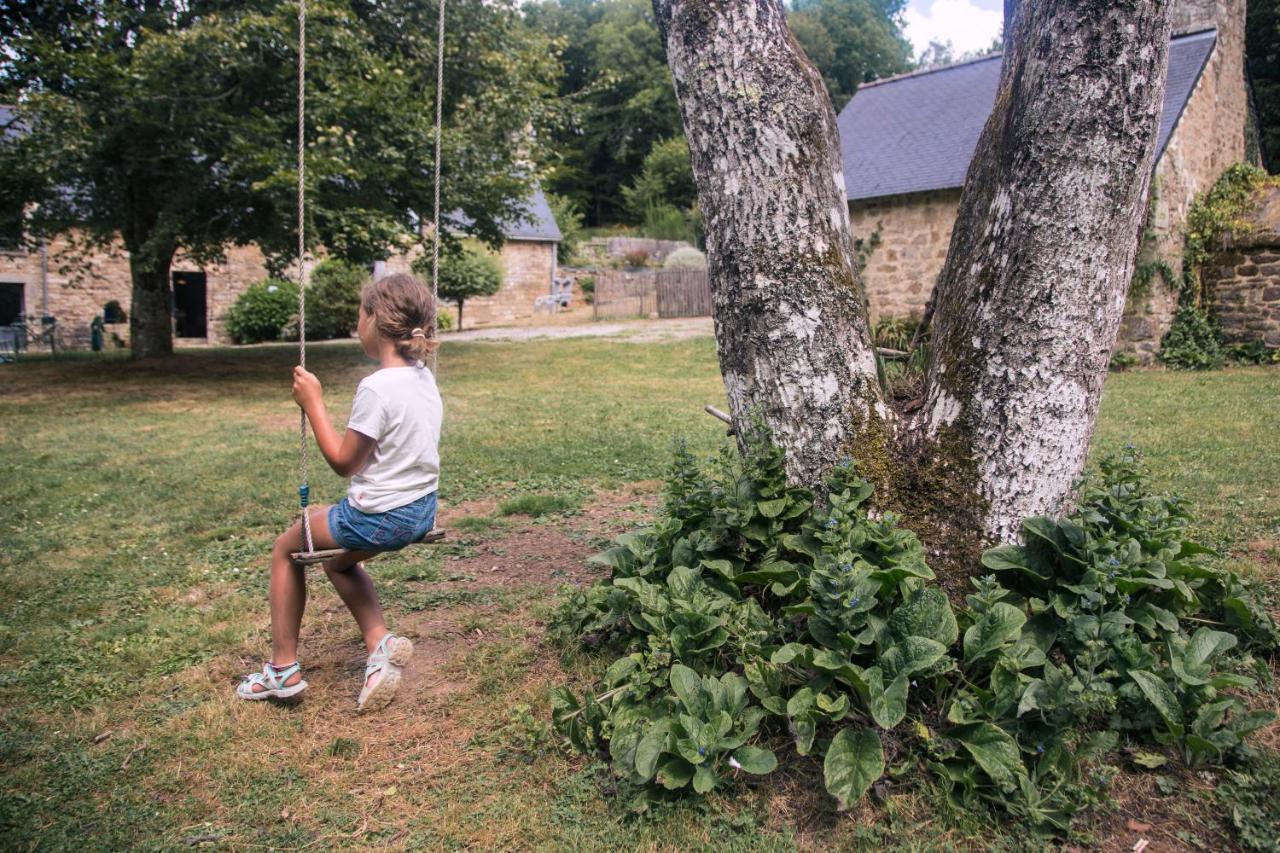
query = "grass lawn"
x=138 y=507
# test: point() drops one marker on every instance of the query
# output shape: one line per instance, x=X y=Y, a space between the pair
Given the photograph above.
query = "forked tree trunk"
x=151 y=314
x=1030 y=299
x=791 y=321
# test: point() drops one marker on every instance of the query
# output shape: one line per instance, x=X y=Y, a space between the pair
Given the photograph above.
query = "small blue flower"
x=846 y=567
x=831 y=522
x=1111 y=574
x=1113 y=561
x=853 y=602
x=1040 y=748
x=1128 y=598
x=702 y=751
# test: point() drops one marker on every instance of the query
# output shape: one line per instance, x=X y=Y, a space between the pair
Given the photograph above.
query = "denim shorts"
x=382 y=531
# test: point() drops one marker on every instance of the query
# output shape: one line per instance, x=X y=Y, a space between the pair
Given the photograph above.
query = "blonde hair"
x=404 y=312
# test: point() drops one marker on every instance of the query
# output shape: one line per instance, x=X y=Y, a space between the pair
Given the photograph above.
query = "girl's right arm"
x=347 y=454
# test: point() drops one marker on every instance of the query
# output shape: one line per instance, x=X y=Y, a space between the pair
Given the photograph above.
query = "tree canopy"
x=851 y=41
x=172 y=126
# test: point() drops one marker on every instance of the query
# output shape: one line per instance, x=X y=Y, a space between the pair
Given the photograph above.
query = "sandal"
x=386 y=662
x=272 y=680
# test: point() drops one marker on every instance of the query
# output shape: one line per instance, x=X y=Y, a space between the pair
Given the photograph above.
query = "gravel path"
x=632 y=331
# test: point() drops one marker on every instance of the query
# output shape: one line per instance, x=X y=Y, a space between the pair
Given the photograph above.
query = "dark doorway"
x=12 y=303
x=189 y=312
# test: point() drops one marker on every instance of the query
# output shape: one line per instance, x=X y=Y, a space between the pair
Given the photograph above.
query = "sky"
x=969 y=25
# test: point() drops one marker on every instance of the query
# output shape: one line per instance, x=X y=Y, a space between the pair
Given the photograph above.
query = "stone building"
x=907 y=142
x=74 y=284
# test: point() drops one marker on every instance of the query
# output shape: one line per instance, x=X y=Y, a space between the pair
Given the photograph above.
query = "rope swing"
x=309 y=554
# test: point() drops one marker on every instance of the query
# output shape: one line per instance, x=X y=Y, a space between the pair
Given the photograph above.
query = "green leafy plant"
x=1255 y=351
x=1122 y=361
x=1192 y=342
x=750 y=617
x=262 y=311
x=333 y=299
x=464 y=274
x=568 y=216
x=663 y=221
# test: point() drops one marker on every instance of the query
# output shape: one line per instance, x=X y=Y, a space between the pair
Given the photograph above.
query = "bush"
x=568 y=217
x=1122 y=361
x=262 y=311
x=750 y=618
x=333 y=299
x=1192 y=342
x=1255 y=351
x=663 y=221
x=685 y=259
x=464 y=274
x=587 y=287
x=636 y=258
x=666 y=178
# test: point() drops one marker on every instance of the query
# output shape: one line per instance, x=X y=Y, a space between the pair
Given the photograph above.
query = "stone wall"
x=82 y=280
x=1244 y=277
x=1210 y=137
x=528 y=267
x=915 y=231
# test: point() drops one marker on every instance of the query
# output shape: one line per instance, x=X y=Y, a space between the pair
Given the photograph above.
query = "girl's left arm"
x=346 y=454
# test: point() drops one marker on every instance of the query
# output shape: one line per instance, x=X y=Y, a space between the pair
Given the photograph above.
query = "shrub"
x=1122 y=361
x=1255 y=351
x=636 y=258
x=663 y=221
x=666 y=178
x=587 y=287
x=568 y=216
x=685 y=259
x=750 y=618
x=333 y=299
x=1192 y=342
x=464 y=274
x=262 y=311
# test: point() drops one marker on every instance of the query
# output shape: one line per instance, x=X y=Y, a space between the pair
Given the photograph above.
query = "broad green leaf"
x=674 y=772
x=620 y=669
x=887 y=703
x=1150 y=760
x=773 y=508
x=925 y=613
x=704 y=779
x=911 y=655
x=1004 y=558
x=688 y=686
x=999 y=625
x=753 y=759
x=994 y=750
x=855 y=760
x=1161 y=698
x=650 y=749
x=1206 y=644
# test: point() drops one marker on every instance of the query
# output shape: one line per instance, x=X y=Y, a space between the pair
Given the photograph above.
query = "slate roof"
x=918 y=132
x=538 y=223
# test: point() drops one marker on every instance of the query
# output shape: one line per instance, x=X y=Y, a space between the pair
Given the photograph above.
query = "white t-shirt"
x=400 y=409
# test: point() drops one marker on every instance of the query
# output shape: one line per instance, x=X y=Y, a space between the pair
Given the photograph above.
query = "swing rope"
x=310 y=554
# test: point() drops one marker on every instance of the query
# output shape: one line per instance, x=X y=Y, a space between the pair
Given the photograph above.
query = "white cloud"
x=965 y=24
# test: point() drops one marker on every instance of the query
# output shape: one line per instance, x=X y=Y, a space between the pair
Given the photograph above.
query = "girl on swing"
x=390 y=452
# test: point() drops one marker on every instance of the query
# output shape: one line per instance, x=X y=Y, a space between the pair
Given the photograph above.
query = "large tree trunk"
x=791 y=321
x=1030 y=299
x=151 y=314
x=1028 y=303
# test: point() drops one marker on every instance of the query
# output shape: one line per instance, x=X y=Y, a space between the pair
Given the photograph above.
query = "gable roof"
x=538 y=222
x=918 y=132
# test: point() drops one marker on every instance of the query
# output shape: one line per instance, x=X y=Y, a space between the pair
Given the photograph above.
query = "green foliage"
x=1217 y=213
x=664 y=221
x=1192 y=342
x=539 y=505
x=262 y=311
x=172 y=124
x=1251 y=796
x=1121 y=361
x=616 y=81
x=750 y=617
x=587 y=287
x=568 y=216
x=865 y=248
x=1262 y=58
x=1255 y=351
x=666 y=178
x=465 y=273
x=851 y=41
x=333 y=299
x=685 y=259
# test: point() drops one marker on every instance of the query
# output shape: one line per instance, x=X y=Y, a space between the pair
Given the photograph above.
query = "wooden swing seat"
x=307 y=558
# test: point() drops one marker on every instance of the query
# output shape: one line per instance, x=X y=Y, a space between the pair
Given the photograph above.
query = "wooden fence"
x=669 y=293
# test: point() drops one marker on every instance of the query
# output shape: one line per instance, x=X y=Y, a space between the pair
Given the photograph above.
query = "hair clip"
x=417 y=333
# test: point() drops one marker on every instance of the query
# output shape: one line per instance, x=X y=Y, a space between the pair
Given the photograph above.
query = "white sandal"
x=389 y=658
x=273 y=682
